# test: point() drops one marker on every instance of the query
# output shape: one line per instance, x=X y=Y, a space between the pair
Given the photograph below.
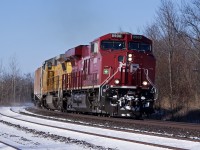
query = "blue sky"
x=36 y=30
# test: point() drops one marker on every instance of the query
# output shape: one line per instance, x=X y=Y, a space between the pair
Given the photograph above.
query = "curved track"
x=8 y=146
x=95 y=134
x=171 y=124
x=166 y=128
x=127 y=137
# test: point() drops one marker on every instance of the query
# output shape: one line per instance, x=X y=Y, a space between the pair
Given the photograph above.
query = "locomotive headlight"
x=130 y=59
x=116 y=81
x=144 y=83
x=130 y=55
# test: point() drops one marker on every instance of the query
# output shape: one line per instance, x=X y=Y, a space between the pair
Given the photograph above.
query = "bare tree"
x=14 y=72
x=168 y=23
x=191 y=21
x=14 y=87
x=1 y=81
x=174 y=73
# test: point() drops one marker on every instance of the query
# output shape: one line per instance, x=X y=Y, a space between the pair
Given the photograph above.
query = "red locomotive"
x=114 y=76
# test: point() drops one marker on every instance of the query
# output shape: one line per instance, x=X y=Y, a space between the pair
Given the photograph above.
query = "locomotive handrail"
x=146 y=72
x=107 y=80
x=100 y=90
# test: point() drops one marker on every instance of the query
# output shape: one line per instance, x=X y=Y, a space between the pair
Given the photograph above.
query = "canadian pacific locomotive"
x=114 y=76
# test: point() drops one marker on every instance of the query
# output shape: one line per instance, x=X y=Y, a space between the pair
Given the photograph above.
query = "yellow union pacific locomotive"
x=114 y=76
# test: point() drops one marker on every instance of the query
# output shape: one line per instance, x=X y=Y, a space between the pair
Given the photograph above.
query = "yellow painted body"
x=52 y=77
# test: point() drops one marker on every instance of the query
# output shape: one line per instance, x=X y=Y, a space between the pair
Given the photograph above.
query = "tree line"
x=176 y=39
x=15 y=87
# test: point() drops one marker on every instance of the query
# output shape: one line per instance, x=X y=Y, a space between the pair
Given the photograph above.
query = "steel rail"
x=149 y=123
x=178 y=125
x=9 y=145
x=95 y=134
x=152 y=123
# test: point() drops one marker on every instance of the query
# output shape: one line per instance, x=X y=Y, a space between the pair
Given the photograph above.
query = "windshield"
x=114 y=45
x=139 y=46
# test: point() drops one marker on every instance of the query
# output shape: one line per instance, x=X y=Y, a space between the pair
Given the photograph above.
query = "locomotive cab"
x=127 y=73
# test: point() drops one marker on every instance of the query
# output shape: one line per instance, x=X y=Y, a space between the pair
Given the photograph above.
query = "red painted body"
x=114 y=75
x=91 y=69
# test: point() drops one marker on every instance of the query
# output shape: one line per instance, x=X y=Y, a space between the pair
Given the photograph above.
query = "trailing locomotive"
x=114 y=76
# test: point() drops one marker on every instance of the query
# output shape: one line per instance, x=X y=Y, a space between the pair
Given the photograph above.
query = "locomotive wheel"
x=60 y=106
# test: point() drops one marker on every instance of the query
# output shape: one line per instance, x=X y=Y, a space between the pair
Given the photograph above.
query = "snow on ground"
x=24 y=140
x=29 y=140
x=5 y=147
x=20 y=109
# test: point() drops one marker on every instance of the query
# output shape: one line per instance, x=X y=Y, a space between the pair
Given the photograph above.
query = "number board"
x=138 y=37
x=115 y=35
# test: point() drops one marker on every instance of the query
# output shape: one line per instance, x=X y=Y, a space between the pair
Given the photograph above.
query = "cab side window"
x=94 y=47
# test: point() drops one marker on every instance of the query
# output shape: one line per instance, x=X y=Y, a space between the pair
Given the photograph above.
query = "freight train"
x=114 y=75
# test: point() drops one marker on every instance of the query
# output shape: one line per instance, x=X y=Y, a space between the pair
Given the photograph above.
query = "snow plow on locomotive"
x=114 y=76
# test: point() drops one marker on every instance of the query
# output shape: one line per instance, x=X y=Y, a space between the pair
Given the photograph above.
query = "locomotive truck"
x=114 y=75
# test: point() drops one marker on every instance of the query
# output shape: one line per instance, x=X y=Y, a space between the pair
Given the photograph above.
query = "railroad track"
x=9 y=146
x=95 y=134
x=168 y=128
x=178 y=125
